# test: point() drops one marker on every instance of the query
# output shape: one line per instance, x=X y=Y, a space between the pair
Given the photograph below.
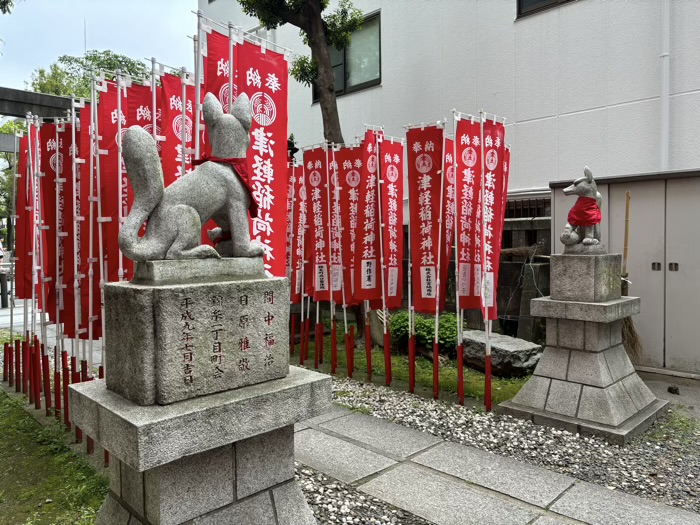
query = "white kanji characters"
x=465 y=140
x=417 y=147
x=143 y=113
x=222 y=68
x=262 y=141
x=176 y=103
x=262 y=224
x=397 y=159
x=430 y=146
x=272 y=83
x=253 y=77
x=118 y=115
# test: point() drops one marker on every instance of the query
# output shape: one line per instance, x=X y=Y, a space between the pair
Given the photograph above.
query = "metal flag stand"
x=459 y=343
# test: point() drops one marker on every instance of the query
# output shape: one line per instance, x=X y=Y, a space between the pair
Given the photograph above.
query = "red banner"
x=340 y=281
x=493 y=145
x=317 y=177
x=88 y=210
x=392 y=169
x=300 y=231
x=173 y=127
x=425 y=158
x=349 y=161
x=49 y=167
x=113 y=190
x=468 y=188
x=23 y=224
x=216 y=69
x=448 y=207
x=291 y=178
x=367 y=285
x=262 y=75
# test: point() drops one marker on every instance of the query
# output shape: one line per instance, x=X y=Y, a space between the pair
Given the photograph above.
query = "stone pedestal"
x=191 y=445
x=584 y=381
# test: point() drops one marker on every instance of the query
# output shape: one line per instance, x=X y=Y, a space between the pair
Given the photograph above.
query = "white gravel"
x=334 y=502
x=658 y=466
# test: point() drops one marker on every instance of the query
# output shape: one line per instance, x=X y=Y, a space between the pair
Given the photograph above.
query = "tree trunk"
x=325 y=82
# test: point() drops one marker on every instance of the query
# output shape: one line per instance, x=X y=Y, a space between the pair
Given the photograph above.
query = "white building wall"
x=578 y=84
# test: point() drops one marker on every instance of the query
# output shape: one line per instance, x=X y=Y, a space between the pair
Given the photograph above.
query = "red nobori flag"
x=300 y=233
x=110 y=198
x=468 y=188
x=51 y=161
x=173 y=127
x=391 y=154
x=86 y=209
x=23 y=225
x=367 y=285
x=424 y=181
x=317 y=194
x=492 y=212
x=216 y=68
x=66 y=225
x=262 y=75
x=291 y=174
x=340 y=278
x=448 y=206
x=349 y=161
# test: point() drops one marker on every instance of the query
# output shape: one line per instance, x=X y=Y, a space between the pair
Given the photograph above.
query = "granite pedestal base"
x=584 y=381
x=226 y=458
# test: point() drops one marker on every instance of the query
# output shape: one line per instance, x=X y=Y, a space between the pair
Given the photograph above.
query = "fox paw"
x=590 y=241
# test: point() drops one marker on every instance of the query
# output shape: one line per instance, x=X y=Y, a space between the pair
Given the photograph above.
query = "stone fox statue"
x=583 y=224
x=214 y=190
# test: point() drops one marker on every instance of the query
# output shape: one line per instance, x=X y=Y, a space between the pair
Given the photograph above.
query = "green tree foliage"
x=71 y=75
x=7 y=169
x=319 y=30
x=6 y=6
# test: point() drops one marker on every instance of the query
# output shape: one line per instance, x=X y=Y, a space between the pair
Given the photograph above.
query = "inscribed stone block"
x=132 y=488
x=533 y=393
x=256 y=510
x=618 y=362
x=219 y=336
x=563 y=398
x=597 y=336
x=571 y=334
x=608 y=277
x=586 y=278
x=291 y=505
x=554 y=363
x=112 y=513
x=130 y=342
x=189 y=487
x=263 y=461
x=588 y=368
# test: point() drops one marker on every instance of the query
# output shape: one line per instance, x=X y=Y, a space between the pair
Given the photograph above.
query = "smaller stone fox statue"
x=583 y=224
x=217 y=189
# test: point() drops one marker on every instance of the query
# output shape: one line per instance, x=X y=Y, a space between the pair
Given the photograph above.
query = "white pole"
x=339 y=235
x=487 y=323
x=154 y=105
x=455 y=173
x=197 y=82
x=382 y=269
x=77 y=222
x=58 y=181
x=34 y=187
x=12 y=248
x=330 y=233
x=183 y=127
x=100 y=219
x=231 y=43
x=120 y=197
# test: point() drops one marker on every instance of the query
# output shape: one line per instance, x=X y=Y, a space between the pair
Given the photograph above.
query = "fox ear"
x=589 y=175
x=242 y=111
x=212 y=110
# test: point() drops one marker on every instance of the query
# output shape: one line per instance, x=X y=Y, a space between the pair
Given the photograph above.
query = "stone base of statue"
x=584 y=381
x=199 y=414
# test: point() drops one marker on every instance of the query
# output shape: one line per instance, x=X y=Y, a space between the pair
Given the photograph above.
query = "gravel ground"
x=334 y=502
x=663 y=464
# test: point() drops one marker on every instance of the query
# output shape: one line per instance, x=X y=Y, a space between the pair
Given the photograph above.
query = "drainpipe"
x=665 y=82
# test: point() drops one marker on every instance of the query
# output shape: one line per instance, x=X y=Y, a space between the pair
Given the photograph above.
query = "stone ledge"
x=620 y=435
x=204 y=270
x=605 y=312
x=145 y=437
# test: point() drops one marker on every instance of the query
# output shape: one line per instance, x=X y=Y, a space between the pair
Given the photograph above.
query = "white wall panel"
x=685 y=43
x=536 y=153
x=632 y=136
x=684 y=136
x=582 y=143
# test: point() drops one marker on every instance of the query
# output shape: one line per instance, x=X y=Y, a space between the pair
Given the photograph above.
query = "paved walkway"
x=451 y=484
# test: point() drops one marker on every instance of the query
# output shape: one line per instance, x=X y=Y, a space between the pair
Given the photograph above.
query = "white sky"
x=39 y=31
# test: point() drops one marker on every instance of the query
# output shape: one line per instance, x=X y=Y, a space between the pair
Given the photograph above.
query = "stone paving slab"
x=442 y=500
x=382 y=435
x=549 y=520
x=520 y=480
x=600 y=506
x=335 y=412
x=337 y=458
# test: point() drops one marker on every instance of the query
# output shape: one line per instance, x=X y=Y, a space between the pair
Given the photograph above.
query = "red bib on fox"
x=585 y=212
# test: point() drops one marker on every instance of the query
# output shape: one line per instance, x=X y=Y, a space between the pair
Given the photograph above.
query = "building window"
x=359 y=65
x=528 y=7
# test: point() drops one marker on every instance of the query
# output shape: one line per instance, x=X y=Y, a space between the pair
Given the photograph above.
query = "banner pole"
x=436 y=347
x=411 y=326
x=487 y=323
x=77 y=220
x=122 y=189
x=197 y=82
x=154 y=105
x=231 y=69
x=183 y=128
x=100 y=219
x=91 y=215
x=382 y=263
x=458 y=309
x=34 y=163
x=12 y=248
x=329 y=173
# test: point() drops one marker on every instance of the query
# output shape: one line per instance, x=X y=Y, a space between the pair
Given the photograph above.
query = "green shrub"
x=425 y=331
